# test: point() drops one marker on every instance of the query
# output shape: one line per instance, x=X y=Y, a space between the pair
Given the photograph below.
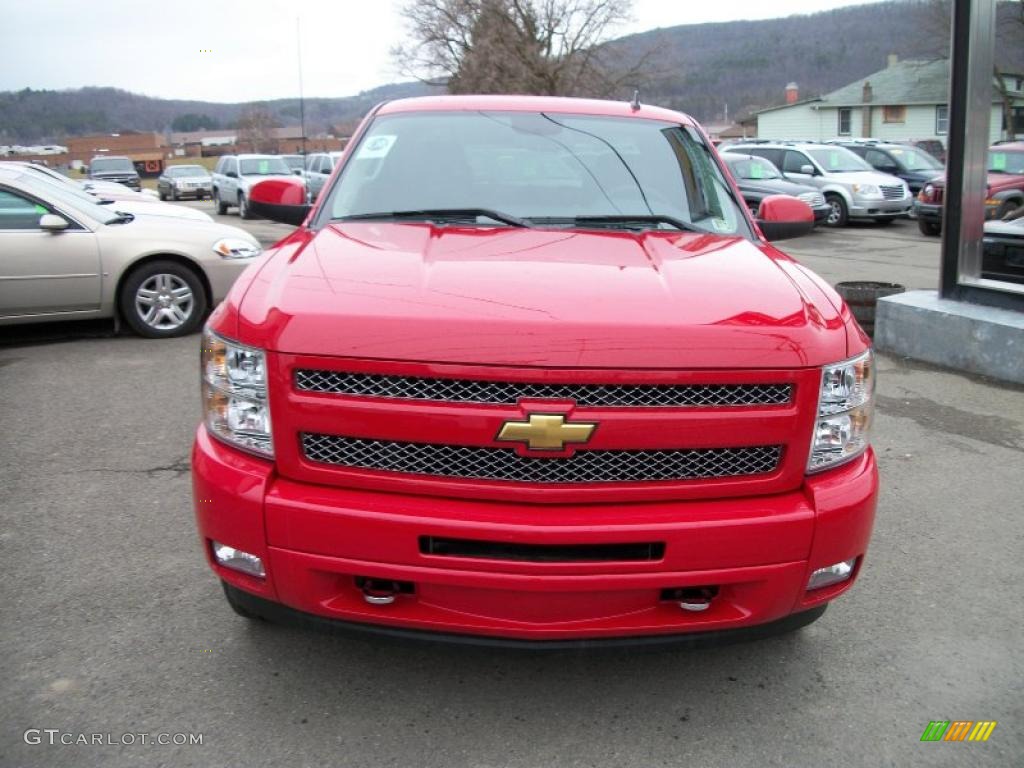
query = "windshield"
x=838 y=160
x=752 y=168
x=1002 y=161
x=104 y=164
x=264 y=166
x=187 y=170
x=541 y=168
x=916 y=160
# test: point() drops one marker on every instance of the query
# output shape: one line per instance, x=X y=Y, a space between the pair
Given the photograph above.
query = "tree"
x=256 y=128
x=191 y=121
x=1009 y=28
x=545 y=47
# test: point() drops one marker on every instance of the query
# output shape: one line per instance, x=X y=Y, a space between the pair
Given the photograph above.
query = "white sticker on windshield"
x=376 y=147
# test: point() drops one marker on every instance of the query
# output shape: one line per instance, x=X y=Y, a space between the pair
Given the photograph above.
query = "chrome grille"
x=892 y=193
x=509 y=393
x=476 y=463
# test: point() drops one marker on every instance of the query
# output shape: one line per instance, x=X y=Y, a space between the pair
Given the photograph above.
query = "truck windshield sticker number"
x=376 y=147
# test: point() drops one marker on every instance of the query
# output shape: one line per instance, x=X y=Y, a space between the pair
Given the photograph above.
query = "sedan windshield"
x=264 y=166
x=1006 y=162
x=186 y=170
x=105 y=164
x=536 y=168
x=751 y=168
x=838 y=160
x=916 y=160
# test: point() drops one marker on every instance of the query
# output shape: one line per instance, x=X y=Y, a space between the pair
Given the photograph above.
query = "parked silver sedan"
x=63 y=257
x=178 y=181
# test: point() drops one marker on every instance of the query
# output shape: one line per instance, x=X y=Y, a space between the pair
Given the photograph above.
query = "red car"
x=529 y=372
x=1003 y=196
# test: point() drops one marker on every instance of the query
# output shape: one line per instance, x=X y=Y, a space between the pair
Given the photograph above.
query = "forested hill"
x=749 y=63
x=697 y=68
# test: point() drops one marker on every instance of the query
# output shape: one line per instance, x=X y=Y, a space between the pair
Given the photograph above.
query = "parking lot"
x=115 y=624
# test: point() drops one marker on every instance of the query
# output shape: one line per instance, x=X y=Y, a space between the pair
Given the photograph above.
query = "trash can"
x=862 y=296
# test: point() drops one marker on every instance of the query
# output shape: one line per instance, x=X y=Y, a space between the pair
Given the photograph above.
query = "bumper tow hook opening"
x=382 y=591
x=693 y=599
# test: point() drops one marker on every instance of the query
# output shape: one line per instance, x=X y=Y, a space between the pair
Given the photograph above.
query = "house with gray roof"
x=906 y=100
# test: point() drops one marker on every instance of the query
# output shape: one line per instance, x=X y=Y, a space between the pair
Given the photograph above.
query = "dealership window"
x=894 y=114
x=941 y=120
x=845 y=118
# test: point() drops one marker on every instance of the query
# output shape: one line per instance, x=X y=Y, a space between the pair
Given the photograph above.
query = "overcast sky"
x=245 y=50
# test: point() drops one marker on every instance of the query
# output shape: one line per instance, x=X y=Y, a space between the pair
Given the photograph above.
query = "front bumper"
x=929 y=212
x=880 y=209
x=316 y=541
x=205 y=191
x=821 y=213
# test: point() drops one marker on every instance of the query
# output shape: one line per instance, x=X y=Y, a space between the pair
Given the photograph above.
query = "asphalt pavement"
x=111 y=623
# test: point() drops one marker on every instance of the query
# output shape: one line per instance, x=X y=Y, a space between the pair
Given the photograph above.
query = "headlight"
x=867 y=190
x=235 y=407
x=236 y=248
x=845 y=408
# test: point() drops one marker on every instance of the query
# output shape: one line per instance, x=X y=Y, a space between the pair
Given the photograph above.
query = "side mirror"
x=807 y=170
x=781 y=217
x=890 y=169
x=51 y=222
x=231 y=175
x=281 y=200
x=297 y=171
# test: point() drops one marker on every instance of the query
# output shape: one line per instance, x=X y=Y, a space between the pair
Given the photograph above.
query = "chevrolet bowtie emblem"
x=546 y=432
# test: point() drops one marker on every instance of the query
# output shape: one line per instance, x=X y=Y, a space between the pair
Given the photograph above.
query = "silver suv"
x=234 y=176
x=852 y=188
x=319 y=168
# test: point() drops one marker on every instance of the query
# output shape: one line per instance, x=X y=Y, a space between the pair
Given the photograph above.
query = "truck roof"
x=553 y=104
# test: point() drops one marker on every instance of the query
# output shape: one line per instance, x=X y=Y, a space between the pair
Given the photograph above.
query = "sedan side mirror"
x=51 y=222
x=281 y=200
x=781 y=217
x=807 y=170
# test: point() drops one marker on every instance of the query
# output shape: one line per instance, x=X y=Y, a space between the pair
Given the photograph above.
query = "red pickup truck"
x=529 y=372
x=1004 y=193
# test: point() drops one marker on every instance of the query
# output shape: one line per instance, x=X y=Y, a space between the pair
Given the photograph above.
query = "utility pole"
x=302 y=101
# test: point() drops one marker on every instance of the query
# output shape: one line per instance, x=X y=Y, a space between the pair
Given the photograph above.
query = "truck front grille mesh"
x=509 y=393
x=476 y=463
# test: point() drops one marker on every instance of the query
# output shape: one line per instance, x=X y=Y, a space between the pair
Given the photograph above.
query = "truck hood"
x=539 y=297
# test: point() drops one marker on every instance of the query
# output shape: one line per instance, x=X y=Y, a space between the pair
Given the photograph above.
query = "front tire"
x=929 y=228
x=222 y=207
x=236 y=606
x=160 y=193
x=243 y=207
x=174 y=194
x=162 y=299
x=1008 y=207
x=838 y=214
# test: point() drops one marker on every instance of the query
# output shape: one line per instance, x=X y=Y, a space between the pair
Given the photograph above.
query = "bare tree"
x=937 y=28
x=256 y=128
x=546 y=47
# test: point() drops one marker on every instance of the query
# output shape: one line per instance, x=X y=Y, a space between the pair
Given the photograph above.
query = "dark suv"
x=115 y=168
x=913 y=165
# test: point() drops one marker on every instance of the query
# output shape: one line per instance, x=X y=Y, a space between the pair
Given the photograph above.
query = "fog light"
x=238 y=560
x=834 y=574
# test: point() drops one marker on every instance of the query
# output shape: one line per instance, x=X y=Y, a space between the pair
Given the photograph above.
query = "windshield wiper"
x=440 y=213
x=638 y=221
